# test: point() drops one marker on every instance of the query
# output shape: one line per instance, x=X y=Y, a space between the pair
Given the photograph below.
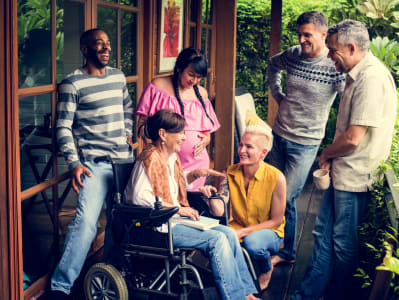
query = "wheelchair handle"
x=216 y=195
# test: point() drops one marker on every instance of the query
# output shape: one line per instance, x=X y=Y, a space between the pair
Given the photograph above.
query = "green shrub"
x=376 y=227
x=387 y=51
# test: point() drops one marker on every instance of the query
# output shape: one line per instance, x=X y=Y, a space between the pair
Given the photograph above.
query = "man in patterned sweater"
x=94 y=107
x=311 y=85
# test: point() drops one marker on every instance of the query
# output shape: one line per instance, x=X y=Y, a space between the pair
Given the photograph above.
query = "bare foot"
x=252 y=297
x=277 y=259
x=264 y=279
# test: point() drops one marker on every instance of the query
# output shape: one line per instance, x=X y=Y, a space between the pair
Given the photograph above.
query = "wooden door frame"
x=10 y=208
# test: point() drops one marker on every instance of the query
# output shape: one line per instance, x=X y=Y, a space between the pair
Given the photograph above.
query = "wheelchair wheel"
x=104 y=281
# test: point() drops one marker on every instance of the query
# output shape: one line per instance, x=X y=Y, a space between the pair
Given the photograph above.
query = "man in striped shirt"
x=94 y=120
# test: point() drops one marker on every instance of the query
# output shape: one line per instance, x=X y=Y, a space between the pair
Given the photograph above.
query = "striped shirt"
x=98 y=112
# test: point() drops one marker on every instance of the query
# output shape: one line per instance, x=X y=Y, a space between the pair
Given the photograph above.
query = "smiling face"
x=98 y=50
x=250 y=150
x=188 y=78
x=311 y=39
x=173 y=141
x=339 y=54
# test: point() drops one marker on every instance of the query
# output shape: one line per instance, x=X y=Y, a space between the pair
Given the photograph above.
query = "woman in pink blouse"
x=182 y=94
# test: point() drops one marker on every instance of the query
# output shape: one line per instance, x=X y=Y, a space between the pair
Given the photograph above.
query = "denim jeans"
x=295 y=161
x=261 y=245
x=222 y=247
x=335 y=250
x=83 y=228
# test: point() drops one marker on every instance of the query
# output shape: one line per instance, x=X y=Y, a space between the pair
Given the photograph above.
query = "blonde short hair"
x=263 y=130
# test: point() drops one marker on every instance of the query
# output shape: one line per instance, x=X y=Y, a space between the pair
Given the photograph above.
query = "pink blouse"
x=154 y=99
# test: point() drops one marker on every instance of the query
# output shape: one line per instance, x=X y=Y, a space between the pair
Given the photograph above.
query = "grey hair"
x=313 y=17
x=263 y=130
x=351 y=31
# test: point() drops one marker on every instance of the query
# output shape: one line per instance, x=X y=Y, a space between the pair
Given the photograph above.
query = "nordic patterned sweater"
x=98 y=112
x=311 y=87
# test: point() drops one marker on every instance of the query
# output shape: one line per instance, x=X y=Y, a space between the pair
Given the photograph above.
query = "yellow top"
x=252 y=208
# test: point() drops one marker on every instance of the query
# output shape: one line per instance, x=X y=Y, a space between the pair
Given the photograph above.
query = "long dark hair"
x=166 y=119
x=197 y=59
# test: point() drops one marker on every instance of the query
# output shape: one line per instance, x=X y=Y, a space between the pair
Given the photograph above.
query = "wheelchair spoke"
x=102 y=288
x=96 y=283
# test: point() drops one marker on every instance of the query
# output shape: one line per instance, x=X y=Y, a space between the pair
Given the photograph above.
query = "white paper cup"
x=321 y=179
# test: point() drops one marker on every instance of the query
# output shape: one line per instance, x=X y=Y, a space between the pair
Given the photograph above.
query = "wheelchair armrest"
x=196 y=200
x=145 y=215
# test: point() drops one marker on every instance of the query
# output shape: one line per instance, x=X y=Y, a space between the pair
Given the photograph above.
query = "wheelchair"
x=143 y=263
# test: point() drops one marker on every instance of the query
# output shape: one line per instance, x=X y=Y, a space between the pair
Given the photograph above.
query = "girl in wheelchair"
x=158 y=172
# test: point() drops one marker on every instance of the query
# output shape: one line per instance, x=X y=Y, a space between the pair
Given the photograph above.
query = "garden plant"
x=382 y=19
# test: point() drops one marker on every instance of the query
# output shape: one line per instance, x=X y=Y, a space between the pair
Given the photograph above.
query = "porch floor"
x=286 y=278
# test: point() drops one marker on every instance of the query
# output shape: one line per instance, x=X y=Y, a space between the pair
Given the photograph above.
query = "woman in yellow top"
x=257 y=199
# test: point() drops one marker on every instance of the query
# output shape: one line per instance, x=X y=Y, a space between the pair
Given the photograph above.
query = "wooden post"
x=225 y=69
x=275 y=46
x=10 y=206
x=4 y=241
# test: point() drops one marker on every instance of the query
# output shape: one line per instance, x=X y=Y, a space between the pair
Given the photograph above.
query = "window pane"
x=37 y=233
x=204 y=12
x=193 y=11
x=35 y=139
x=113 y=1
x=131 y=87
x=34 y=43
x=129 y=43
x=210 y=14
x=107 y=21
x=129 y=2
x=203 y=40
x=193 y=37
x=209 y=47
x=70 y=26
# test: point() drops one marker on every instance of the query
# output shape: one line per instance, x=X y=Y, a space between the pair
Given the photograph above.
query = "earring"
x=163 y=142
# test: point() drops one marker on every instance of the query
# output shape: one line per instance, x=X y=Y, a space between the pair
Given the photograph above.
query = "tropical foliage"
x=253 y=39
x=387 y=51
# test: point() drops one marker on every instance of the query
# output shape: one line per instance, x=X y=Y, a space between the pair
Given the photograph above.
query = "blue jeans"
x=335 y=252
x=83 y=228
x=222 y=247
x=295 y=161
x=261 y=245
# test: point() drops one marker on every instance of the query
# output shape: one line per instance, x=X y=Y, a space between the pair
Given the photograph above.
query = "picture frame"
x=170 y=33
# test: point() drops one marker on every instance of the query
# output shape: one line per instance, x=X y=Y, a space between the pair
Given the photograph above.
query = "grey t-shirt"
x=369 y=100
x=311 y=87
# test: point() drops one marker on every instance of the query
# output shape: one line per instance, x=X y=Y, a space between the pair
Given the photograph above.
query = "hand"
x=197 y=173
x=241 y=233
x=189 y=212
x=324 y=162
x=207 y=190
x=76 y=174
x=201 y=145
x=129 y=141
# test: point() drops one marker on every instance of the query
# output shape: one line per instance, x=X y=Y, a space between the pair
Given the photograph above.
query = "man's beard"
x=93 y=58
